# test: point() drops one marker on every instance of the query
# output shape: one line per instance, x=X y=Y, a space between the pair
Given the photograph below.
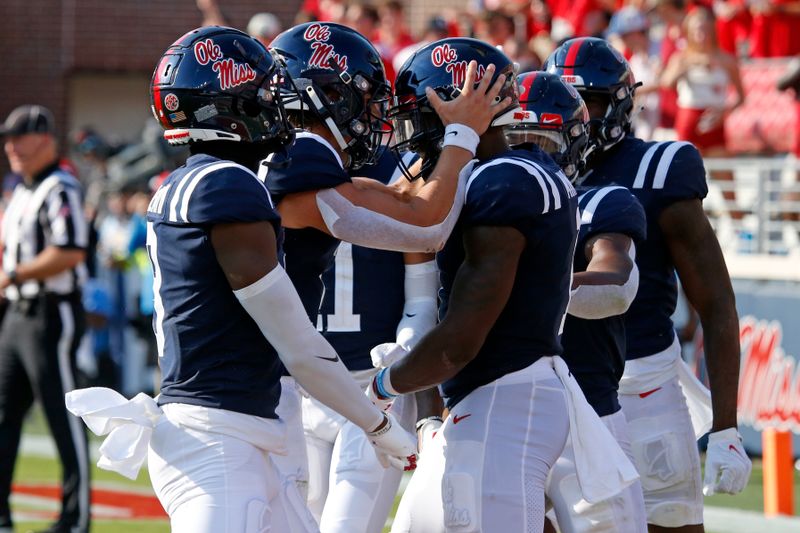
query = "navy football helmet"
x=337 y=75
x=555 y=119
x=220 y=84
x=442 y=66
x=597 y=69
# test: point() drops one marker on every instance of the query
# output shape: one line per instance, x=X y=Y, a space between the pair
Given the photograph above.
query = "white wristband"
x=461 y=136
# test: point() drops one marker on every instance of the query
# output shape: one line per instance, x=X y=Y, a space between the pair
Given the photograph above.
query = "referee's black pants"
x=38 y=344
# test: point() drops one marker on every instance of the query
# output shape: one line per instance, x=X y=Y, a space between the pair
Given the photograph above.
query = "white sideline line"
x=727 y=520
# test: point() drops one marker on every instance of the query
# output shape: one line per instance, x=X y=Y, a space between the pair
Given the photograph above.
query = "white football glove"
x=394 y=446
x=727 y=465
x=386 y=354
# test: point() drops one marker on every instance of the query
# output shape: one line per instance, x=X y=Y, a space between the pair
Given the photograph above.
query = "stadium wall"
x=45 y=44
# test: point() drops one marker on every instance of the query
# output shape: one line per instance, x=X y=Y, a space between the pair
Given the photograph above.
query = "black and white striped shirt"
x=49 y=212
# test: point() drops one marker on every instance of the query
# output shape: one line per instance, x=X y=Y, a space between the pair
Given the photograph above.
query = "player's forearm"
x=49 y=262
x=434 y=360
x=434 y=199
x=721 y=341
x=599 y=278
x=273 y=304
x=429 y=403
x=420 y=310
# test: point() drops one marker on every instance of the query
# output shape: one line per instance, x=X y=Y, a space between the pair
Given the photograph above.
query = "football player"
x=338 y=95
x=226 y=314
x=371 y=297
x=604 y=284
x=668 y=178
x=506 y=273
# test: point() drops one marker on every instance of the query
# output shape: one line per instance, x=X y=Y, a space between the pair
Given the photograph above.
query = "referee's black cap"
x=29 y=119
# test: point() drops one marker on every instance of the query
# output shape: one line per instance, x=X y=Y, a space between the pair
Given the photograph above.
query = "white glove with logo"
x=384 y=355
x=727 y=465
x=394 y=446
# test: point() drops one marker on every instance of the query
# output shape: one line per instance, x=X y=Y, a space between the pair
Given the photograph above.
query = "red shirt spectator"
x=733 y=24
x=776 y=28
x=393 y=34
x=671 y=12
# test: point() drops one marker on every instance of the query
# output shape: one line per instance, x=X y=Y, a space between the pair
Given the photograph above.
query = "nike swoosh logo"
x=452 y=133
x=409 y=315
x=732 y=447
x=333 y=359
x=648 y=393
x=457 y=419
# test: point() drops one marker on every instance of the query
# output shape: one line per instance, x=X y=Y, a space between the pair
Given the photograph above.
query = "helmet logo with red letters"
x=445 y=55
x=323 y=52
x=572 y=80
x=229 y=72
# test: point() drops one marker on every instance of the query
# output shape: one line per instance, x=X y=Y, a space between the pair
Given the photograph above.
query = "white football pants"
x=348 y=490
x=498 y=446
x=212 y=471
x=665 y=454
x=623 y=513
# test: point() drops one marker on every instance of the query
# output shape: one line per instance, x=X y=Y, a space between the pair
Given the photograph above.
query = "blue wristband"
x=382 y=392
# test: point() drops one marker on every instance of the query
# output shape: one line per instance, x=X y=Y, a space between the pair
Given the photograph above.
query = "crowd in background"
x=684 y=53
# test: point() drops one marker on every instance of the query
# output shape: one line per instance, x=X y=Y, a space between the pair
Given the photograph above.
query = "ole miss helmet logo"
x=229 y=72
x=446 y=56
x=317 y=35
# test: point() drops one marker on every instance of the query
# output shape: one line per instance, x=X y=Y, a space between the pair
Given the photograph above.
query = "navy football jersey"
x=595 y=349
x=364 y=295
x=308 y=252
x=658 y=174
x=210 y=351
x=527 y=191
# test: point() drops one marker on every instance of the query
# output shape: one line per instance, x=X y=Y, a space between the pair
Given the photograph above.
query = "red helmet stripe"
x=158 y=105
x=527 y=83
x=572 y=54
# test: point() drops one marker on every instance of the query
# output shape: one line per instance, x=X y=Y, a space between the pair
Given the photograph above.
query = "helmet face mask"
x=220 y=84
x=555 y=119
x=597 y=70
x=441 y=65
x=337 y=80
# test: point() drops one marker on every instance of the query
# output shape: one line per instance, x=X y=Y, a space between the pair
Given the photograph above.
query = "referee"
x=44 y=236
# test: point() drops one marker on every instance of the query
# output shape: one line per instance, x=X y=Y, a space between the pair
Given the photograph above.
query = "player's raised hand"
x=394 y=446
x=476 y=105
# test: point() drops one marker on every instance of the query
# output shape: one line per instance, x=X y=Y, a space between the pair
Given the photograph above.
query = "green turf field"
x=33 y=470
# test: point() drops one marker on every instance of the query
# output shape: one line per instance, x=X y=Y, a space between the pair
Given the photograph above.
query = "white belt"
x=129 y=425
x=650 y=372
